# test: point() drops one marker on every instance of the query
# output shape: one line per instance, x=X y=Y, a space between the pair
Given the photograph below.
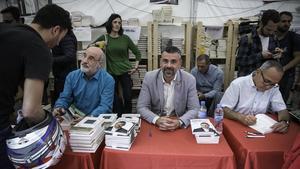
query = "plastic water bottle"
x=218 y=119
x=202 y=112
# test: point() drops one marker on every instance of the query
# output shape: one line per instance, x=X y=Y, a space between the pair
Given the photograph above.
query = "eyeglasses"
x=268 y=82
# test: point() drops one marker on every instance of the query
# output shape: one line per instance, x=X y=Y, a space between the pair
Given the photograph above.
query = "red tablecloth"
x=76 y=160
x=155 y=149
x=258 y=153
x=292 y=157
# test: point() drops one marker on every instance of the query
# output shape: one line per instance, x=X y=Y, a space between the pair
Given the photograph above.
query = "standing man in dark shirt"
x=27 y=62
x=289 y=41
x=64 y=61
x=259 y=45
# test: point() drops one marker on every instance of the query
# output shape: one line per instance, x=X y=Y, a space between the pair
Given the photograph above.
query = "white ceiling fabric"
x=210 y=12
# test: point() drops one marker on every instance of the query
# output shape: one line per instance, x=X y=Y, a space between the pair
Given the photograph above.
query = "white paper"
x=263 y=124
x=133 y=32
x=215 y=32
x=83 y=33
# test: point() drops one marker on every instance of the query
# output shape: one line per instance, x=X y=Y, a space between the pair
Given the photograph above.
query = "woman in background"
x=117 y=62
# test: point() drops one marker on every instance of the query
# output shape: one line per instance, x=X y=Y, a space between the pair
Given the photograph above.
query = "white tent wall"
x=210 y=12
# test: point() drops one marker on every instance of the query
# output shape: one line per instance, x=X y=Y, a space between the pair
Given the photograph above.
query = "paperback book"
x=204 y=131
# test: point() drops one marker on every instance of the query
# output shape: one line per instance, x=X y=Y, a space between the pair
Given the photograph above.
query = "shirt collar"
x=251 y=79
x=96 y=75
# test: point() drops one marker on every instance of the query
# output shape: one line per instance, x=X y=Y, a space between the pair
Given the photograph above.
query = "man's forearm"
x=293 y=62
x=230 y=114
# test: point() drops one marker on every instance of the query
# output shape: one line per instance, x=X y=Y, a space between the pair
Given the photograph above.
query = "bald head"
x=91 y=61
x=96 y=52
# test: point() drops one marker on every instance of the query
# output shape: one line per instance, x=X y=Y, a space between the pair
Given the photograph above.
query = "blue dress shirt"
x=92 y=96
x=209 y=83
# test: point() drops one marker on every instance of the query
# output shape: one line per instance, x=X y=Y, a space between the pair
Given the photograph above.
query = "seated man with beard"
x=90 y=89
x=168 y=97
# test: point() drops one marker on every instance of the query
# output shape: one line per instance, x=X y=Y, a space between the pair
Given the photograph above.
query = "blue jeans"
x=122 y=105
x=5 y=163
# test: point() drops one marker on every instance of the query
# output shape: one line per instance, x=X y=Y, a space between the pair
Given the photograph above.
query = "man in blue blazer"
x=168 y=97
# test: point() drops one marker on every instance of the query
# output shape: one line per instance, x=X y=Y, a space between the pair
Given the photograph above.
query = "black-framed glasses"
x=268 y=82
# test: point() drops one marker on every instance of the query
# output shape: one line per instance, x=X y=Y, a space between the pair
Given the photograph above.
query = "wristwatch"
x=286 y=122
x=181 y=123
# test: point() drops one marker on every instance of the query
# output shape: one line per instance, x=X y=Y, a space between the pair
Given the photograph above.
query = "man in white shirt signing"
x=257 y=93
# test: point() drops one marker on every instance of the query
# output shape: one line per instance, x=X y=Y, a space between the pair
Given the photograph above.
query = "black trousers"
x=122 y=98
x=5 y=163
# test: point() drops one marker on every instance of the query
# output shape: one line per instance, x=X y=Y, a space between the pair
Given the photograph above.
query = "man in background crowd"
x=209 y=81
x=11 y=14
x=289 y=42
x=64 y=61
x=259 y=45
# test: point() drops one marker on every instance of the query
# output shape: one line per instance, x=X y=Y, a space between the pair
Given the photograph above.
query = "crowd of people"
x=169 y=97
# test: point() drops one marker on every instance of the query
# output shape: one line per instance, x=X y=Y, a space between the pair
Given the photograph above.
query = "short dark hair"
x=14 y=11
x=52 y=15
x=270 y=15
x=108 y=24
x=286 y=13
x=272 y=63
x=172 y=49
x=203 y=57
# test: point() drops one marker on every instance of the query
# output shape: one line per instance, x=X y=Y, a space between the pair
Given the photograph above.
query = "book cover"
x=120 y=127
x=75 y=111
x=204 y=131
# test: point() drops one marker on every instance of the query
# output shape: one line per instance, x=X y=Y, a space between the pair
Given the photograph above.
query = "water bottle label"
x=201 y=115
x=218 y=118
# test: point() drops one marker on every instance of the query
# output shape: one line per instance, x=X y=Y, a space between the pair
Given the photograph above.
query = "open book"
x=263 y=124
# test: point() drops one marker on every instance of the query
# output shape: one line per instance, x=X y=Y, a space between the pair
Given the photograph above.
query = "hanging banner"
x=133 y=32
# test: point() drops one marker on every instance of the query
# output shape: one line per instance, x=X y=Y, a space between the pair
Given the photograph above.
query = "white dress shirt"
x=264 y=42
x=168 y=98
x=243 y=97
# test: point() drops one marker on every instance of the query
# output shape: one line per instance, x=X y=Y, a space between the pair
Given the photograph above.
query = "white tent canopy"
x=210 y=12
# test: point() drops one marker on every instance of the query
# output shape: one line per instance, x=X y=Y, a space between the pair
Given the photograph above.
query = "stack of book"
x=108 y=119
x=87 y=135
x=134 y=118
x=204 y=131
x=120 y=135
